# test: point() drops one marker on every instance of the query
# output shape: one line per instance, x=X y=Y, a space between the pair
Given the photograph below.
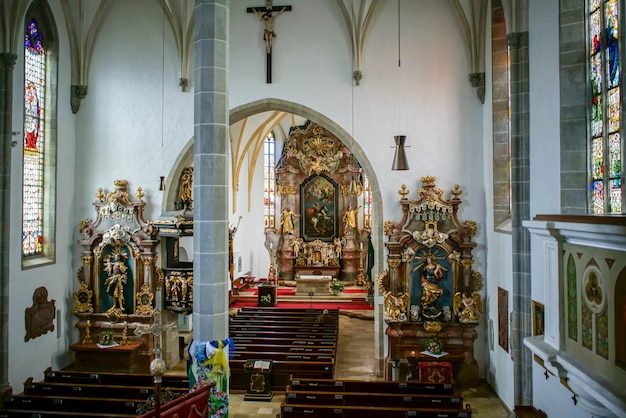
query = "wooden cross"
x=267 y=15
x=157 y=366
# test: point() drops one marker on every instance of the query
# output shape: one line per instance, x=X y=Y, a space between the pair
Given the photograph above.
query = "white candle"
x=361 y=245
x=271 y=245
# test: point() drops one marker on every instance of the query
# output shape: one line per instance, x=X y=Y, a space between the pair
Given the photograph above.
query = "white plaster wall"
x=28 y=359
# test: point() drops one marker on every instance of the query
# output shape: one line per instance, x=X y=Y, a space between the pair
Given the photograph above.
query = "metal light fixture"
x=162 y=184
x=399 y=159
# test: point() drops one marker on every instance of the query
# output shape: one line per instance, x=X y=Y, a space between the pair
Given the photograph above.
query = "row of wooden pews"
x=67 y=393
x=296 y=341
x=365 y=399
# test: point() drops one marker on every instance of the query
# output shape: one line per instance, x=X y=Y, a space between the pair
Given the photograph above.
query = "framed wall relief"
x=318 y=206
x=538 y=318
x=503 y=318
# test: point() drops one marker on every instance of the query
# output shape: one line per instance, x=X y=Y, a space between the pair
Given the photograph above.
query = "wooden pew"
x=281 y=334
x=110 y=378
x=283 y=328
x=292 y=338
x=369 y=411
x=274 y=311
x=303 y=342
x=381 y=386
x=403 y=400
x=86 y=394
x=364 y=399
x=286 y=348
x=283 y=356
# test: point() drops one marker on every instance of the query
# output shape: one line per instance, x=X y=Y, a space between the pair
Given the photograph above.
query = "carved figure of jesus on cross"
x=267 y=15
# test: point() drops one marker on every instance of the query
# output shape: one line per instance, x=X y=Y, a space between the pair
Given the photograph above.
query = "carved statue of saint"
x=431 y=275
x=287 y=221
x=116 y=268
x=349 y=218
x=186 y=185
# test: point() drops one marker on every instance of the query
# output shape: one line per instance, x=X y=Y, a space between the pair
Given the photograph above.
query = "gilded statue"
x=287 y=221
x=395 y=307
x=349 y=218
x=186 y=186
x=116 y=268
x=467 y=307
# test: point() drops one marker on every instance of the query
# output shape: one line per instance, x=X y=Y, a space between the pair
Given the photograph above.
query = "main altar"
x=321 y=197
x=432 y=301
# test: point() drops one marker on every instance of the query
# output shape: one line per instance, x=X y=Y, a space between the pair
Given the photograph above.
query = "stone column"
x=7 y=62
x=520 y=185
x=210 y=189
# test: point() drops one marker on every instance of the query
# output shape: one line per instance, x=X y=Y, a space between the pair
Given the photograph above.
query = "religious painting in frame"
x=538 y=318
x=318 y=207
x=503 y=319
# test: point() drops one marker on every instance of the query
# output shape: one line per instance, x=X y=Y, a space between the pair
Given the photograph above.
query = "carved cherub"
x=396 y=307
x=467 y=307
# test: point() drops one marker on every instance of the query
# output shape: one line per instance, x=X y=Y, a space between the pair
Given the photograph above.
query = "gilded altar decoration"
x=467 y=306
x=430 y=236
x=395 y=307
x=82 y=299
x=431 y=294
x=116 y=269
x=118 y=263
x=144 y=301
x=185 y=191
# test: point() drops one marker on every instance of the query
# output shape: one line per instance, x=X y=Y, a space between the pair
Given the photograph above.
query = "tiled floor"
x=355 y=360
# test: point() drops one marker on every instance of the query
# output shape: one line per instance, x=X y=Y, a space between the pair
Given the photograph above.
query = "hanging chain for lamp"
x=400 y=161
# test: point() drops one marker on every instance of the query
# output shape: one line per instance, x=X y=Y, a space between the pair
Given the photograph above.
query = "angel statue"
x=467 y=307
x=395 y=307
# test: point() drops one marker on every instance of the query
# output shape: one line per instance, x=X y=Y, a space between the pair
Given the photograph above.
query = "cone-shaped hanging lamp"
x=399 y=158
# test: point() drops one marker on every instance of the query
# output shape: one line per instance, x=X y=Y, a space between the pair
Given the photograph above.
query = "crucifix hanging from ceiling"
x=267 y=15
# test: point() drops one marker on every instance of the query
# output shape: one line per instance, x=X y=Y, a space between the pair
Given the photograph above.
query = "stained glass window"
x=269 y=181
x=34 y=140
x=606 y=142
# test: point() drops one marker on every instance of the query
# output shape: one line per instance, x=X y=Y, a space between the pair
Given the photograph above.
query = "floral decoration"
x=106 y=338
x=434 y=345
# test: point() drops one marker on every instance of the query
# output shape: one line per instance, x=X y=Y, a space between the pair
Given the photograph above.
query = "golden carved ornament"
x=140 y=194
x=83 y=224
x=428 y=179
x=394 y=263
x=100 y=194
x=82 y=299
x=388 y=228
x=148 y=261
x=120 y=183
x=467 y=263
x=144 y=301
x=472 y=226
x=160 y=277
x=432 y=327
x=87 y=259
x=403 y=191
x=478 y=280
x=457 y=191
x=383 y=279
x=283 y=190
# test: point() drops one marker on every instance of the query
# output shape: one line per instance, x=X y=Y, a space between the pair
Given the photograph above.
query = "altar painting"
x=318 y=209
